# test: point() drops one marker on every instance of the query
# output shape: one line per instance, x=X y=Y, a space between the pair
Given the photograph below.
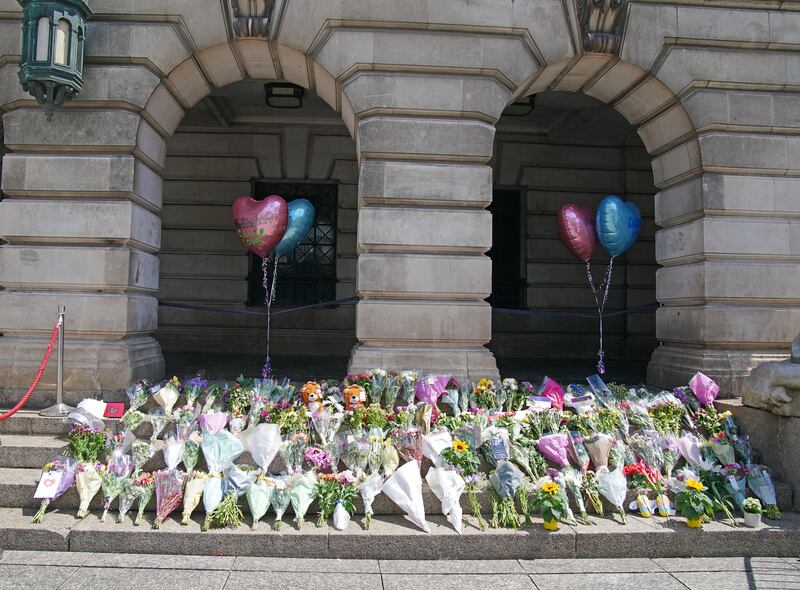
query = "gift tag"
x=582 y=404
x=498 y=448
x=48 y=485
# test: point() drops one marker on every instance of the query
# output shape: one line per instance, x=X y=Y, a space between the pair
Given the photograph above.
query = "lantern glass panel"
x=62 y=42
x=43 y=39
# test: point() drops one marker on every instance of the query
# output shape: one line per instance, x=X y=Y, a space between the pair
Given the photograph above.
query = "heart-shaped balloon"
x=260 y=224
x=576 y=230
x=617 y=224
x=301 y=218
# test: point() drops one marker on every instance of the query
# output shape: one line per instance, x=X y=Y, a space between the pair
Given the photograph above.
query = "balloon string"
x=600 y=305
x=269 y=297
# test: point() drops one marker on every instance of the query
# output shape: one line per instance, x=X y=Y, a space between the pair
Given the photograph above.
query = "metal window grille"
x=308 y=274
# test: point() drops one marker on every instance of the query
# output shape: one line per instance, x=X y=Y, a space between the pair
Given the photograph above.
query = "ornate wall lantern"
x=51 y=57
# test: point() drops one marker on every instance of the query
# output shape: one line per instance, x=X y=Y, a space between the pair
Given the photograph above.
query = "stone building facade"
x=418 y=117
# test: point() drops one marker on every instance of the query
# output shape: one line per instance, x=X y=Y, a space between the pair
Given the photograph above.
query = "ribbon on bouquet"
x=269 y=298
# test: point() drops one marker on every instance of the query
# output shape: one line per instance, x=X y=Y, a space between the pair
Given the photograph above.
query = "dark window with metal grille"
x=508 y=283
x=308 y=273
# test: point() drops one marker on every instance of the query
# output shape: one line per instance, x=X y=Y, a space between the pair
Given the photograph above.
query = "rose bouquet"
x=169 y=482
x=57 y=477
x=193 y=494
x=143 y=486
x=408 y=442
x=114 y=477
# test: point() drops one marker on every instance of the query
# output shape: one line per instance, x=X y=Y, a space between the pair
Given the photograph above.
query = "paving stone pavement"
x=70 y=570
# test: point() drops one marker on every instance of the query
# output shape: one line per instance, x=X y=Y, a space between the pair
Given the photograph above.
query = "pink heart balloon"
x=576 y=230
x=260 y=224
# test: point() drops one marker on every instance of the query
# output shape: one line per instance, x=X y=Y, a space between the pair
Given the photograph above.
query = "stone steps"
x=392 y=537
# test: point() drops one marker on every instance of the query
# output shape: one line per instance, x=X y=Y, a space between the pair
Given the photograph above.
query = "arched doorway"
x=232 y=143
x=554 y=148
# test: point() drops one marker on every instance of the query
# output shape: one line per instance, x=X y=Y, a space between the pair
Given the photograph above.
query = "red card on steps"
x=114 y=410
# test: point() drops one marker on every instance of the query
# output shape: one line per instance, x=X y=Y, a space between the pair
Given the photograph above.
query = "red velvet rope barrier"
x=38 y=377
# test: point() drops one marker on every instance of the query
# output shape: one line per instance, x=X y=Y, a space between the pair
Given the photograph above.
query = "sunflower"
x=551 y=488
x=459 y=446
x=694 y=485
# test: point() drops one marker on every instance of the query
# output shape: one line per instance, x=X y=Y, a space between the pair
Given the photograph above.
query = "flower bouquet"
x=550 y=388
x=549 y=503
x=138 y=394
x=467 y=463
x=591 y=488
x=127 y=497
x=281 y=498
x=448 y=486
x=159 y=421
x=193 y=388
x=89 y=482
x=554 y=448
x=57 y=477
x=114 y=477
x=221 y=449
x=613 y=486
x=191 y=451
x=293 y=451
x=141 y=452
x=227 y=513
x=408 y=442
x=404 y=488
x=760 y=482
x=694 y=504
x=301 y=494
x=720 y=445
x=143 y=486
x=670 y=453
x=690 y=448
x=505 y=480
x=429 y=389
x=131 y=420
x=642 y=478
x=390 y=458
x=380 y=381
x=185 y=420
x=259 y=497
x=735 y=482
x=169 y=482
x=193 y=494
x=704 y=388
x=573 y=483
x=369 y=488
x=168 y=395
x=408 y=382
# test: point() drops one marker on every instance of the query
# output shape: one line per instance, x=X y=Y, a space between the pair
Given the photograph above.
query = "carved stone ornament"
x=775 y=386
x=251 y=18
x=600 y=20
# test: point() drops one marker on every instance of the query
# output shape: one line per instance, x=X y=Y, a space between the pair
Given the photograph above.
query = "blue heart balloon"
x=617 y=224
x=301 y=218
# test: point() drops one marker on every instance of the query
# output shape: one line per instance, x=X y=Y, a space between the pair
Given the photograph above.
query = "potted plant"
x=752 y=512
x=694 y=504
x=549 y=504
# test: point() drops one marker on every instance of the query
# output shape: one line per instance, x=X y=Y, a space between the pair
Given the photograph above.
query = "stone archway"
x=651 y=108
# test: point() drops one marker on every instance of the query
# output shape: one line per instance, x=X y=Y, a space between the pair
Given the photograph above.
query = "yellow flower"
x=485 y=384
x=694 y=485
x=551 y=488
x=460 y=446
